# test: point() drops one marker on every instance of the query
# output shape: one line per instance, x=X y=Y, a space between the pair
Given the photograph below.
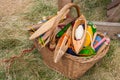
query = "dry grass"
x=11 y=7
x=16 y=15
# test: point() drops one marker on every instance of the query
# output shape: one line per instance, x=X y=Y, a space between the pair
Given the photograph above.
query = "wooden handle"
x=64 y=9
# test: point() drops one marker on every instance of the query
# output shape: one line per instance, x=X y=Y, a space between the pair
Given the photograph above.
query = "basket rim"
x=84 y=60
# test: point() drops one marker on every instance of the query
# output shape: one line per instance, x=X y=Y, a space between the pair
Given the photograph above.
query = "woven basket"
x=70 y=66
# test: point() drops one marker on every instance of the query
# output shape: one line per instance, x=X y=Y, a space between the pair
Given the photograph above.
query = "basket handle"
x=69 y=6
x=64 y=9
x=60 y=14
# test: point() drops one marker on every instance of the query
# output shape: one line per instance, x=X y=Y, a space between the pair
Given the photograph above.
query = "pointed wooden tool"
x=46 y=26
x=78 y=44
x=62 y=46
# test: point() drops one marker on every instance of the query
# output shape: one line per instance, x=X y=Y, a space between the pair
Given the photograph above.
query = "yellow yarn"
x=89 y=36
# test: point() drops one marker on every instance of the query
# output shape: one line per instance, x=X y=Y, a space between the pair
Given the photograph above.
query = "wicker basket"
x=70 y=66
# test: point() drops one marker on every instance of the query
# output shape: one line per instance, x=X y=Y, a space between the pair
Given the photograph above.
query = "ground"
x=16 y=15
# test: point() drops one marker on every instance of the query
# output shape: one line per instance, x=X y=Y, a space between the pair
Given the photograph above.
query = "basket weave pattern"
x=70 y=66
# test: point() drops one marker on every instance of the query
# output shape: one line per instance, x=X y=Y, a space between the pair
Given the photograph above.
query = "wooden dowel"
x=106 y=23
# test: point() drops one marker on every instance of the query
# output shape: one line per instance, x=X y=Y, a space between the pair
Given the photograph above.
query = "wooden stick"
x=115 y=24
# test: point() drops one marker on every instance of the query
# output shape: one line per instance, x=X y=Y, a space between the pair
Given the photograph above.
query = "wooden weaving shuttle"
x=62 y=46
x=78 y=44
